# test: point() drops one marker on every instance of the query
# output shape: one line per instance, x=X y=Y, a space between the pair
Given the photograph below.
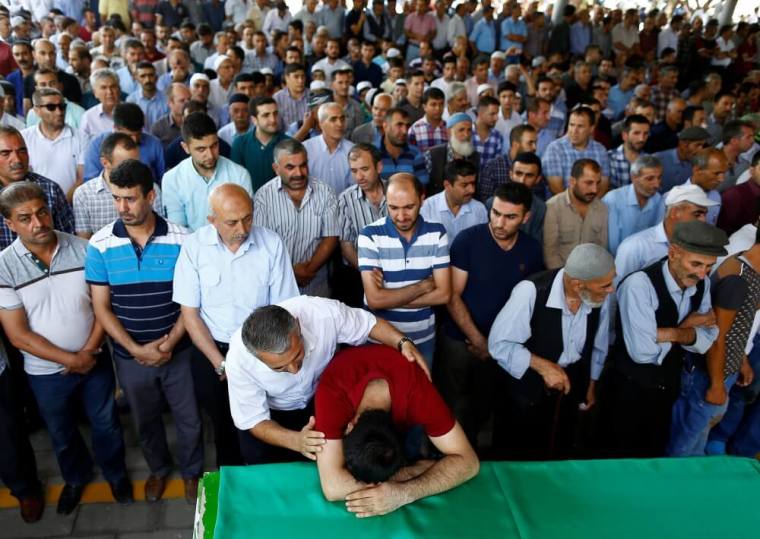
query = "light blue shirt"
x=617 y=100
x=225 y=286
x=511 y=329
x=153 y=108
x=638 y=302
x=674 y=171
x=186 y=192
x=127 y=83
x=626 y=216
x=643 y=248
x=436 y=210
x=515 y=27
x=331 y=168
x=484 y=36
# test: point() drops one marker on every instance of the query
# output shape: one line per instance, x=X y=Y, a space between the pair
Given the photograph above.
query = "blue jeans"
x=693 y=417
x=58 y=397
x=736 y=422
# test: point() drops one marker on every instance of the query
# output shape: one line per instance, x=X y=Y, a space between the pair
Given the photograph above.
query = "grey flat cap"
x=701 y=238
x=694 y=133
x=589 y=261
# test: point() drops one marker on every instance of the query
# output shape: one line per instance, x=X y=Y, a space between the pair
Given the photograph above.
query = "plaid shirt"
x=94 y=207
x=620 y=168
x=490 y=148
x=63 y=218
x=561 y=154
x=493 y=174
x=423 y=135
x=660 y=98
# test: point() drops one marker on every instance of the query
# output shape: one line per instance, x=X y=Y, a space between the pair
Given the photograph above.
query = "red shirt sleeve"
x=426 y=407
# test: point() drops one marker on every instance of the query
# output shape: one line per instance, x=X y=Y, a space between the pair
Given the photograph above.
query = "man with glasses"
x=56 y=150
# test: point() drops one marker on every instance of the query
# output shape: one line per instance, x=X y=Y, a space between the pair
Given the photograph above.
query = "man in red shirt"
x=364 y=396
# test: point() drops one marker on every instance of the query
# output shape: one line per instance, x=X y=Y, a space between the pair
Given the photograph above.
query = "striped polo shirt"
x=141 y=280
x=405 y=263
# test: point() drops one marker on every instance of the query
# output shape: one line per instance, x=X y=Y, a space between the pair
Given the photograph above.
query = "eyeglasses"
x=51 y=107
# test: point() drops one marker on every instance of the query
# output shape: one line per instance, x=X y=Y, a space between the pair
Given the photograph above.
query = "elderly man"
x=187 y=186
x=169 y=127
x=274 y=362
x=576 y=215
x=180 y=66
x=664 y=311
x=226 y=269
x=93 y=201
x=14 y=167
x=551 y=337
x=328 y=152
x=682 y=203
x=664 y=134
x=460 y=146
x=635 y=206
x=676 y=163
x=371 y=131
x=404 y=262
x=105 y=87
x=365 y=397
x=42 y=282
x=304 y=212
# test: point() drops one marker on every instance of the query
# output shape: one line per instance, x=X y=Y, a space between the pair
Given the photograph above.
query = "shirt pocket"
x=212 y=291
x=254 y=293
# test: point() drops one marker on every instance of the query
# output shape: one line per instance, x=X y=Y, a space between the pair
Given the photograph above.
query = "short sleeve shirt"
x=414 y=399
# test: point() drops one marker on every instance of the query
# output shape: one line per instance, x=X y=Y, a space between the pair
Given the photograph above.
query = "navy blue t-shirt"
x=492 y=273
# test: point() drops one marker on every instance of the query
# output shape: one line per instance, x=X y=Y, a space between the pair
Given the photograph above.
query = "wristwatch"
x=220 y=369
x=402 y=341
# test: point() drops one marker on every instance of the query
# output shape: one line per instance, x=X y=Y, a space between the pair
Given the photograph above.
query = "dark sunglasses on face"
x=50 y=107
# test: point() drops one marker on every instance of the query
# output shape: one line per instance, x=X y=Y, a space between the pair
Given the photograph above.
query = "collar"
x=66 y=132
x=556 y=299
x=161 y=228
x=659 y=233
x=100 y=183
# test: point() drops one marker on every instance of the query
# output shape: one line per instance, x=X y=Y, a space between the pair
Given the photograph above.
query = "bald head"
x=403 y=181
x=231 y=214
x=226 y=196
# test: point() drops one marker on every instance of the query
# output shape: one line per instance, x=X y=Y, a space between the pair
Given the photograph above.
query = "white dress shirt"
x=254 y=388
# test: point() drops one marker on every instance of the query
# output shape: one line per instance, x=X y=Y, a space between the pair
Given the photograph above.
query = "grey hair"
x=17 y=193
x=384 y=95
x=644 y=161
x=289 y=146
x=104 y=73
x=268 y=329
x=44 y=92
x=456 y=88
x=512 y=68
x=322 y=113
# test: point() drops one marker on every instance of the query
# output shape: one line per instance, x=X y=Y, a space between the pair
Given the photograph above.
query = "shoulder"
x=555 y=200
x=102 y=238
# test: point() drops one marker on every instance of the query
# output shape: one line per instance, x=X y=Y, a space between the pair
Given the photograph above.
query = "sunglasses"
x=51 y=107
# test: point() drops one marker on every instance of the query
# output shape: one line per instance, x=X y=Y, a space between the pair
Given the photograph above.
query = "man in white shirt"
x=668 y=37
x=273 y=365
x=56 y=150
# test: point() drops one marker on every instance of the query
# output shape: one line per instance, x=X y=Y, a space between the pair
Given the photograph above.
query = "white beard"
x=465 y=149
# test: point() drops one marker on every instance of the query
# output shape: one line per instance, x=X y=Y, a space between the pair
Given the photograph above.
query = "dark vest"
x=438 y=156
x=546 y=342
x=668 y=375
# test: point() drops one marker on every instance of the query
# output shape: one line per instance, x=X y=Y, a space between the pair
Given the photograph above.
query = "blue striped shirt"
x=405 y=263
x=141 y=281
x=410 y=160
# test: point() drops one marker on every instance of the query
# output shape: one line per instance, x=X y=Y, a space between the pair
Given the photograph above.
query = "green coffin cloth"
x=641 y=499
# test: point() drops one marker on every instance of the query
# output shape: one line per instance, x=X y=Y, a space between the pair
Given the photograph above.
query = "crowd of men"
x=526 y=239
